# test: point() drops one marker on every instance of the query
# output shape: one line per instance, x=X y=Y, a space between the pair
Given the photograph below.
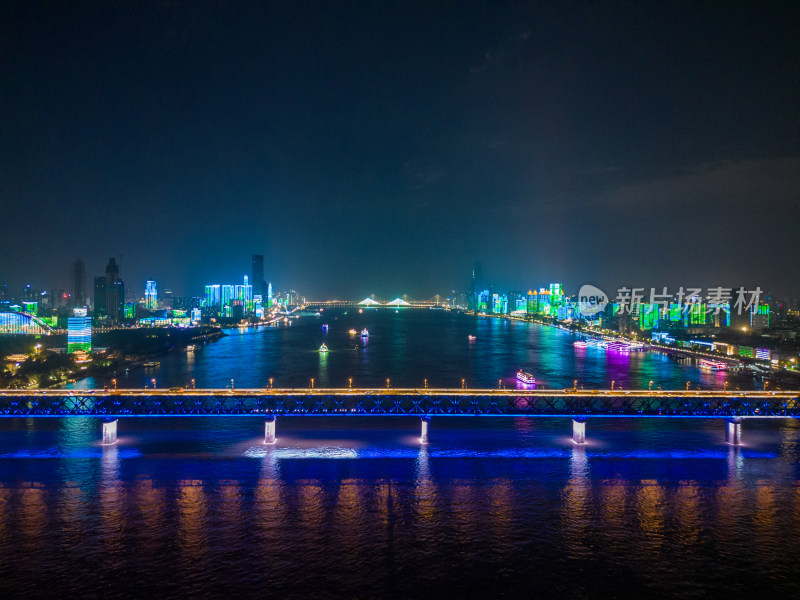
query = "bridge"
x=423 y=403
x=22 y=323
x=369 y=303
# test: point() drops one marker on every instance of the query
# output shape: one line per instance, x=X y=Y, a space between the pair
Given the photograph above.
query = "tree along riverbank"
x=114 y=351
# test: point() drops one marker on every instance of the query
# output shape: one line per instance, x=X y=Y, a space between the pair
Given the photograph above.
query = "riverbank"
x=765 y=371
x=116 y=351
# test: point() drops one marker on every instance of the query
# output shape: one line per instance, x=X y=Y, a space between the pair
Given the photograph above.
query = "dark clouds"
x=384 y=149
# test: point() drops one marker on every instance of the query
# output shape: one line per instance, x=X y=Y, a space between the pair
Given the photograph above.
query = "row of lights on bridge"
x=463 y=384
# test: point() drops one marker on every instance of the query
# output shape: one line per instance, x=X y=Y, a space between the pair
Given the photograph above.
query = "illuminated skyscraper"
x=213 y=298
x=243 y=295
x=79 y=331
x=228 y=295
x=475 y=286
x=150 y=295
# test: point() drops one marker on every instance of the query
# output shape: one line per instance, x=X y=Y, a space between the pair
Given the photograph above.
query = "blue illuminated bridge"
x=419 y=402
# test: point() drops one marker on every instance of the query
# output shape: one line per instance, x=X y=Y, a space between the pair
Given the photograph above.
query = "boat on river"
x=525 y=377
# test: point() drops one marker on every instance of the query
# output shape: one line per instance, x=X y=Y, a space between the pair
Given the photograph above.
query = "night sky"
x=376 y=148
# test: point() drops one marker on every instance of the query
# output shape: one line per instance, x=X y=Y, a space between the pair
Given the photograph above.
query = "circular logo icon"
x=591 y=300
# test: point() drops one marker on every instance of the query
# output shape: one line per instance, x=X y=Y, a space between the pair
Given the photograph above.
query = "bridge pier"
x=426 y=424
x=269 y=430
x=109 y=432
x=579 y=430
x=733 y=431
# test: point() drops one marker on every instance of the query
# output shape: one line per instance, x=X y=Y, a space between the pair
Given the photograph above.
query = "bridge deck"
x=399 y=402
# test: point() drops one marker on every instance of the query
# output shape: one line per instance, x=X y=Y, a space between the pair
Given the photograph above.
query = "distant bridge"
x=361 y=304
x=22 y=323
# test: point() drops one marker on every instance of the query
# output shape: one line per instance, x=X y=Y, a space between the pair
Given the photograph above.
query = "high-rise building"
x=243 y=296
x=115 y=292
x=79 y=331
x=213 y=299
x=476 y=286
x=78 y=283
x=150 y=295
x=257 y=280
x=112 y=271
x=100 y=297
x=228 y=293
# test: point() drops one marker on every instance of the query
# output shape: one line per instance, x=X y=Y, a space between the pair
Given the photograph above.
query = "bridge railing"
x=19 y=403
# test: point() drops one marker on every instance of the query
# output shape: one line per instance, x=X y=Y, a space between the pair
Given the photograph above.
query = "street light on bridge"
x=114 y=381
x=650 y=385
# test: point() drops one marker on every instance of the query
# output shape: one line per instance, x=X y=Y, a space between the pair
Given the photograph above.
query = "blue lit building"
x=150 y=295
x=79 y=332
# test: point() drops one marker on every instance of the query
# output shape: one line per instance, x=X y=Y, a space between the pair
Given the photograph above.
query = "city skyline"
x=363 y=150
x=77 y=275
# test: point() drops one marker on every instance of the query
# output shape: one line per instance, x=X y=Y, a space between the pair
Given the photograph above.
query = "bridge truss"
x=389 y=402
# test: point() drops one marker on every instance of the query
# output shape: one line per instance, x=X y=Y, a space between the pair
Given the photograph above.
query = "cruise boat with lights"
x=580 y=344
x=472 y=338
x=323 y=349
x=364 y=332
x=352 y=332
x=618 y=347
x=714 y=365
x=525 y=377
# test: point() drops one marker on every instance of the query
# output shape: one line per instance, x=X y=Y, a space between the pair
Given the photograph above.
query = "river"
x=357 y=508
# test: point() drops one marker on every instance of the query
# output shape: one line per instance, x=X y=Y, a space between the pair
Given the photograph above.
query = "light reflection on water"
x=410 y=346
x=504 y=504
x=358 y=508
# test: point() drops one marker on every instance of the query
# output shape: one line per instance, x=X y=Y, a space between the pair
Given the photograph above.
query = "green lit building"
x=79 y=332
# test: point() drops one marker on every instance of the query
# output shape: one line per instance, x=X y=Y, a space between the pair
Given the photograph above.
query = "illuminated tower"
x=79 y=332
x=150 y=295
x=78 y=283
x=475 y=287
x=213 y=298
